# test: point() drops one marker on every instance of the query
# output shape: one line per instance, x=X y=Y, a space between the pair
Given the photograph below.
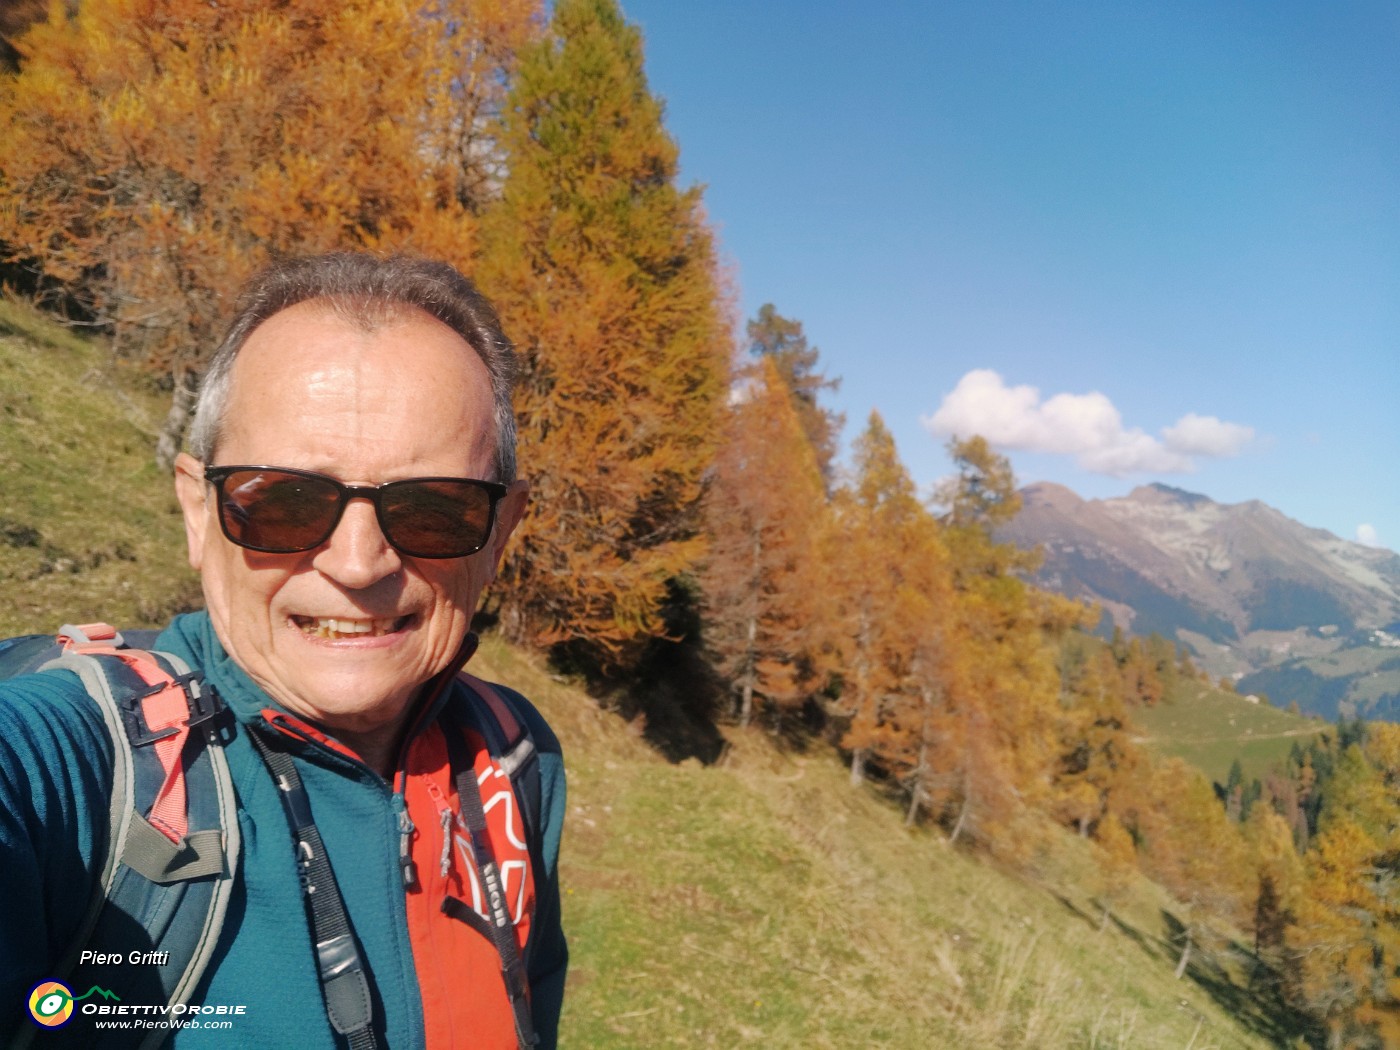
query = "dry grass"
x=764 y=902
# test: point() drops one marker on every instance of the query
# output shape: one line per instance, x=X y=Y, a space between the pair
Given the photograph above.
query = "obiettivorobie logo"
x=51 y=1003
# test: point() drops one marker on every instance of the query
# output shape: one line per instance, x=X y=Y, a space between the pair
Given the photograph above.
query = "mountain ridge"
x=1268 y=601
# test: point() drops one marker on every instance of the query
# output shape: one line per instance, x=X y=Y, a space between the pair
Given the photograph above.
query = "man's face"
x=311 y=391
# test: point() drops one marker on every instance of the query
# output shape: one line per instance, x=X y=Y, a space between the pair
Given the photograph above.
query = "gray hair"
x=368 y=291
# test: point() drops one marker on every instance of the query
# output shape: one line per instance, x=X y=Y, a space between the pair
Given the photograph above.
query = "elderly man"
x=350 y=493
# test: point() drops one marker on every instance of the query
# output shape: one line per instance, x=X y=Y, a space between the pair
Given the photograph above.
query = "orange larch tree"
x=604 y=272
x=1117 y=859
x=1097 y=756
x=863 y=556
x=1279 y=883
x=154 y=152
x=1010 y=637
x=1191 y=847
x=761 y=586
x=782 y=340
x=1345 y=944
x=892 y=631
x=929 y=732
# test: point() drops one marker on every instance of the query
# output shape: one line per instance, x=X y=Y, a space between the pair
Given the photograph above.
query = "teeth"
x=331 y=627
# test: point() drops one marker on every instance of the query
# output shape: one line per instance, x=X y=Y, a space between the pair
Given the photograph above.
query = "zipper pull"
x=445 y=861
x=445 y=817
x=406 y=865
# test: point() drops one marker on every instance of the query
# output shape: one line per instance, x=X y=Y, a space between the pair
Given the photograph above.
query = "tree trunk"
x=1185 y=955
x=172 y=431
x=751 y=654
x=746 y=691
x=913 y=812
x=962 y=819
x=921 y=767
x=857 y=767
x=964 y=810
x=511 y=614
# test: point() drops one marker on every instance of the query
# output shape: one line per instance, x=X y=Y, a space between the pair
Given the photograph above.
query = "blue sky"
x=1130 y=242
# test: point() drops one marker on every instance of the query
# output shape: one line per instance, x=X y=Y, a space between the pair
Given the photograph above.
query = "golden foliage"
x=1346 y=941
x=764 y=510
x=605 y=275
x=153 y=153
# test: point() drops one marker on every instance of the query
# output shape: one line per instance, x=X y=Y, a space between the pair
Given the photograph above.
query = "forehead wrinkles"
x=354 y=386
x=310 y=383
x=308 y=376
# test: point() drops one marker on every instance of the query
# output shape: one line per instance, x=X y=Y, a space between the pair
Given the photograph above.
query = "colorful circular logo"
x=51 y=1004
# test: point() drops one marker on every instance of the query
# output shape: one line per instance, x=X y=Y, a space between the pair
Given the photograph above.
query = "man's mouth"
x=337 y=627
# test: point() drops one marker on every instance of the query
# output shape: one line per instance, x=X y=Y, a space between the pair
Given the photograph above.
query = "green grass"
x=89 y=528
x=761 y=901
x=1211 y=728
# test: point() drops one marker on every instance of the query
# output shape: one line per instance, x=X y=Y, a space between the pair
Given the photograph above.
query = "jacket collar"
x=192 y=636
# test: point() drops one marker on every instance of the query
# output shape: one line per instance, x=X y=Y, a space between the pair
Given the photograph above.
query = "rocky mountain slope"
x=1285 y=609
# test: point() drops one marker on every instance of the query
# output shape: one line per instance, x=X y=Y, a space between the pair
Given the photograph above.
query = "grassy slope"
x=1210 y=728
x=759 y=901
x=89 y=529
x=763 y=900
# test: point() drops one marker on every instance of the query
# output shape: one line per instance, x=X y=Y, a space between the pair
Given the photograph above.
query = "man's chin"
x=346 y=692
x=367 y=716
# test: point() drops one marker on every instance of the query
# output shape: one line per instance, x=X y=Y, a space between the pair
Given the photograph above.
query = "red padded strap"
x=505 y=717
x=168 y=708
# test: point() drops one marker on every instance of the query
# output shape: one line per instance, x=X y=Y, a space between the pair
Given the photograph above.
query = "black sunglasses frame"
x=218 y=475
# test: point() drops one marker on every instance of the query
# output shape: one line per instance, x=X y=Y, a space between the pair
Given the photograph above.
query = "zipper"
x=407 y=868
x=445 y=818
x=408 y=871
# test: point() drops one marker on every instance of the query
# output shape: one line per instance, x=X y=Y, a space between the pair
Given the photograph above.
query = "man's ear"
x=508 y=514
x=190 y=490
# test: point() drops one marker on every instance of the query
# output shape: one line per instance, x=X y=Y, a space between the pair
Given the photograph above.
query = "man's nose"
x=358 y=554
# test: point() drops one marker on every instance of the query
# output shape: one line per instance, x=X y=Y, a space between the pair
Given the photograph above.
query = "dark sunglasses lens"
x=436 y=519
x=282 y=513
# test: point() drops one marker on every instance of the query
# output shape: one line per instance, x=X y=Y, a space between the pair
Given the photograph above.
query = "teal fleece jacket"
x=55 y=785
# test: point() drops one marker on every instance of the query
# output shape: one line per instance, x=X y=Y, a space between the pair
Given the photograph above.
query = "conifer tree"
x=863 y=555
x=782 y=340
x=1010 y=636
x=1346 y=941
x=893 y=632
x=1142 y=680
x=982 y=494
x=154 y=152
x=1193 y=849
x=1096 y=754
x=1280 y=878
x=604 y=273
x=929 y=711
x=762 y=587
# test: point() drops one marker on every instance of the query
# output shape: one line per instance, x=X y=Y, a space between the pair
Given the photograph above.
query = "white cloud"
x=1086 y=426
x=1368 y=535
x=1194 y=435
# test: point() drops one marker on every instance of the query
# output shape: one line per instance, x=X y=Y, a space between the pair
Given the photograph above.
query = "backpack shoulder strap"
x=173 y=840
x=511 y=744
x=497 y=925
x=523 y=743
x=507 y=735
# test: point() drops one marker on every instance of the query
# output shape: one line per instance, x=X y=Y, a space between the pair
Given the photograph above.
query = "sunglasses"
x=277 y=510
